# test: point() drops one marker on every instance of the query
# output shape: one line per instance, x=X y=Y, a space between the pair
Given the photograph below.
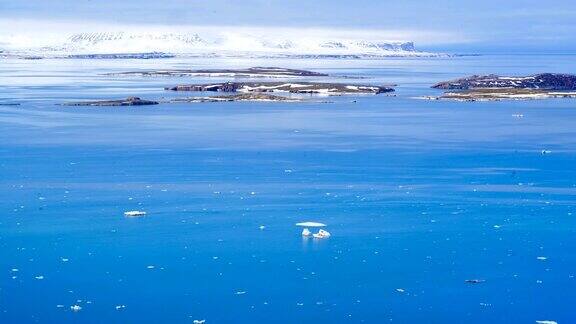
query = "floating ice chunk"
x=240 y=292
x=150 y=267
x=546 y=152
x=39 y=277
x=120 y=307
x=474 y=281
x=64 y=259
x=76 y=308
x=199 y=321
x=322 y=234
x=59 y=306
x=134 y=213
x=546 y=322
x=262 y=227
x=310 y=224
x=400 y=290
x=306 y=232
x=15 y=270
x=542 y=258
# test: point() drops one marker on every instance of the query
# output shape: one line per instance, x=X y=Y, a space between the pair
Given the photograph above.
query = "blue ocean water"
x=419 y=196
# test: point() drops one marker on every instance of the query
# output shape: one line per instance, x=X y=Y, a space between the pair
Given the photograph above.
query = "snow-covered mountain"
x=223 y=44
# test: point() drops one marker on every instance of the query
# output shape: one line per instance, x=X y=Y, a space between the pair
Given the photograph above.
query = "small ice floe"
x=199 y=321
x=134 y=213
x=15 y=270
x=120 y=307
x=39 y=277
x=542 y=258
x=75 y=308
x=240 y=292
x=546 y=322
x=64 y=259
x=543 y=152
x=150 y=267
x=518 y=115
x=321 y=234
x=306 y=232
x=59 y=306
x=400 y=290
x=497 y=226
x=262 y=227
x=311 y=224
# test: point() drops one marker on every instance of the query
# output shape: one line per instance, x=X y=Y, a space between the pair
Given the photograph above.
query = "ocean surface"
x=420 y=196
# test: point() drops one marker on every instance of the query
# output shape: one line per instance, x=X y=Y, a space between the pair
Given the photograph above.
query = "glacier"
x=134 y=44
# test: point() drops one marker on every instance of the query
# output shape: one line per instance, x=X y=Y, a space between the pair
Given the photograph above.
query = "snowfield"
x=225 y=45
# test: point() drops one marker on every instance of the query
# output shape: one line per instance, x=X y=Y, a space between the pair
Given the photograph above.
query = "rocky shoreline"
x=130 y=101
x=269 y=72
x=546 y=81
x=253 y=97
x=493 y=87
x=297 y=87
x=495 y=94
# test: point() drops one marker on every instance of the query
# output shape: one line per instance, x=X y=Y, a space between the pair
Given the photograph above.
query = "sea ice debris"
x=134 y=213
x=310 y=224
x=322 y=234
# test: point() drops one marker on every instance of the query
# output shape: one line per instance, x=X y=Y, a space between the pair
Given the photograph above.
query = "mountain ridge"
x=225 y=44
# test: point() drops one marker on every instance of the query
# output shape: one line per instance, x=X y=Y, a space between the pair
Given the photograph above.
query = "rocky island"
x=238 y=97
x=267 y=72
x=495 y=87
x=546 y=81
x=130 y=101
x=299 y=87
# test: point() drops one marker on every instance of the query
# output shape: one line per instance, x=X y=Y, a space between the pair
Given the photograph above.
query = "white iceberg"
x=322 y=234
x=306 y=232
x=310 y=224
x=76 y=308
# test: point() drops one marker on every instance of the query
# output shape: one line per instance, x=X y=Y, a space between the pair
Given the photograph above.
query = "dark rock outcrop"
x=249 y=72
x=130 y=101
x=544 y=81
x=238 y=97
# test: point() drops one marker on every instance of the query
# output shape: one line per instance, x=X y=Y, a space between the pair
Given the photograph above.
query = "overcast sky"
x=498 y=24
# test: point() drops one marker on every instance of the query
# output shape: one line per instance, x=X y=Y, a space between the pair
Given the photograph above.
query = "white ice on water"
x=134 y=213
x=322 y=234
x=310 y=224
